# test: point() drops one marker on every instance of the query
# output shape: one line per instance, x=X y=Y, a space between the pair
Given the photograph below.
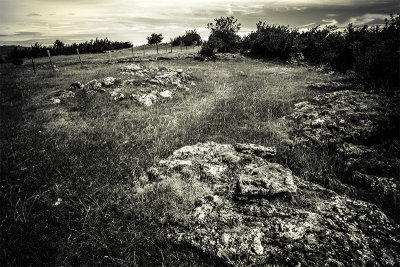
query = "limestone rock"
x=261 y=151
x=354 y=125
x=247 y=211
x=166 y=94
x=94 y=85
x=108 y=82
x=342 y=116
x=75 y=86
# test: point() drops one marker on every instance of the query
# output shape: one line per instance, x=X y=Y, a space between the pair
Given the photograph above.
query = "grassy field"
x=68 y=171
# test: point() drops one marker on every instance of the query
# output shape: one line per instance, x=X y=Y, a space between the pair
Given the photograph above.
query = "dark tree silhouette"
x=155 y=38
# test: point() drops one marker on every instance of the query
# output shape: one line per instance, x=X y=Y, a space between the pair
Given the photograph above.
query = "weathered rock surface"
x=157 y=78
x=333 y=85
x=251 y=212
x=342 y=116
x=355 y=125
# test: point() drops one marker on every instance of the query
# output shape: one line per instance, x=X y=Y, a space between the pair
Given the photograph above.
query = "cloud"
x=133 y=20
x=33 y=14
x=330 y=22
x=27 y=34
x=367 y=19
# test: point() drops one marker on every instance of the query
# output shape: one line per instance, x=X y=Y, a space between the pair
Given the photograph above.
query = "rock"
x=108 y=82
x=128 y=82
x=342 y=116
x=55 y=100
x=327 y=85
x=131 y=68
x=94 y=85
x=179 y=71
x=355 y=125
x=166 y=94
x=146 y=100
x=266 y=181
x=75 y=86
x=388 y=187
x=247 y=211
x=68 y=94
x=117 y=96
x=261 y=151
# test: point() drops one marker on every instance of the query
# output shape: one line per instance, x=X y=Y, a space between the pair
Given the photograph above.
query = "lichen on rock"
x=248 y=211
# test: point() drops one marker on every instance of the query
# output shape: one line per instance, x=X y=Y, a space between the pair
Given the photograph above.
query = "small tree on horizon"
x=155 y=38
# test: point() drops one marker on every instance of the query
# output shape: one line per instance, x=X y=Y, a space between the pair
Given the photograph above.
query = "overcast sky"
x=28 y=21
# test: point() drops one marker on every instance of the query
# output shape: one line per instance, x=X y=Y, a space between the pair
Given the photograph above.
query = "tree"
x=155 y=38
x=58 y=44
x=223 y=36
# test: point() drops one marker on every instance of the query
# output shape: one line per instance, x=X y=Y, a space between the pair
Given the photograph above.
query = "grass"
x=91 y=151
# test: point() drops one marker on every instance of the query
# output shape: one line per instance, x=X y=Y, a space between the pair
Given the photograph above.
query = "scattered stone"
x=55 y=100
x=166 y=94
x=75 y=86
x=108 y=82
x=247 y=211
x=117 y=96
x=94 y=85
x=146 y=100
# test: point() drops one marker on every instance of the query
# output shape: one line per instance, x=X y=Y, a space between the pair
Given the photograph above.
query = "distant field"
x=67 y=170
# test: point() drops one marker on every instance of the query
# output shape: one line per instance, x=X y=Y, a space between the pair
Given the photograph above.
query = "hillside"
x=165 y=160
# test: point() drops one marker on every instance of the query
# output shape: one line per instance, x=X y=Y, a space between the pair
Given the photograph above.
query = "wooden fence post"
x=171 y=48
x=144 y=50
x=109 y=55
x=132 y=52
x=77 y=51
x=33 y=65
x=51 y=63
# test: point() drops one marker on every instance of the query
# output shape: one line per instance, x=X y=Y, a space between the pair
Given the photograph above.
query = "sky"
x=25 y=22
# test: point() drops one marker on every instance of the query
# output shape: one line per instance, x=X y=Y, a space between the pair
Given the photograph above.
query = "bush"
x=272 y=42
x=223 y=37
x=371 y=52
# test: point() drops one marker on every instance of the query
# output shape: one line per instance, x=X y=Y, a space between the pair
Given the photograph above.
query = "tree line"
x=371 y=53
x=59 y=48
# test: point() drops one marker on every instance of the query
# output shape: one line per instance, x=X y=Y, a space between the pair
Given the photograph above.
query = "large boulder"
x=248 y=211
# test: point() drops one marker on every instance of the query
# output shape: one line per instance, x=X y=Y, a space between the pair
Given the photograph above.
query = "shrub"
x=223 y=37
x=272 y=41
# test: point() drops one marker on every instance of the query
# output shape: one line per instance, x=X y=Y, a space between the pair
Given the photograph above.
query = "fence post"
x=51 y=63
x=166 y=48
x=33 y=65
x=132 y=52
x=77 y=51
x=109 y=55
x=144 y=50
x=171 y=48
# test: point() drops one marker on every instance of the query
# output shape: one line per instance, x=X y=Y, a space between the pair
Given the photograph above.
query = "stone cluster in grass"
x=249 y=211
x=332 y=85
x=354 y=125
x=161 y=81
x=146 y=86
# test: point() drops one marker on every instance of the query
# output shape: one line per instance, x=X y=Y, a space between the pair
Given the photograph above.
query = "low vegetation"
x=71 y=172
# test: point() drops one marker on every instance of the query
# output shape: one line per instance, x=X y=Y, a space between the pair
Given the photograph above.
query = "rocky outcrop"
x=249 y=211
x=342 y=116
x=357 y=126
